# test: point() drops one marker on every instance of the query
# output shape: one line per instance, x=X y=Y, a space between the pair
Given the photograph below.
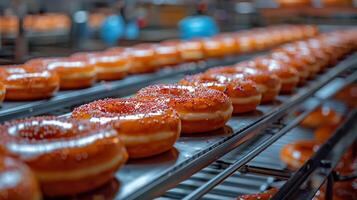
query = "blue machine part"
x=197 y=26
x=112 y=29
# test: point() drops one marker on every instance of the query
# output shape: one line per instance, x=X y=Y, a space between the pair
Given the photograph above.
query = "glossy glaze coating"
x=2 y=92
x=321 y=116
x=74 y=73
x=143 y=59
x=110 y=65
x=287 y=74
x=261 y=196
x=190 y=50
x=297 y=64
x=267 y=83
x=195 y=105
x=244 y=94
x=146 y=127
x=213 y=48
x=17 y=182
x=297 y=153
x=166 y=54
x=229 y=44
x=67 y=156
x=27 y=83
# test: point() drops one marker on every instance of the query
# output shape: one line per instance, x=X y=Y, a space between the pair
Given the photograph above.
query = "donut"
x=190 y=50
x=297 y=64
x=229 y=44
x=213 y=48
x=288 y=75
x=74 y=73
x=67 y=156
x=321 y=116
x=261 y=196
x=200 y=109
x=297 y=153
x=348 y=95
x=2 y=92
x=166 y=54
x=324 y=132
x=143 y=59
x=25 y=83
x=245 y=42
x=17 y=181
x=267 y=83
x=147 y=128
x=109 y=65
x=243 y=93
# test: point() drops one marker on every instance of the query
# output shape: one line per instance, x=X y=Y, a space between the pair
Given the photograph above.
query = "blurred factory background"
x=32 y=28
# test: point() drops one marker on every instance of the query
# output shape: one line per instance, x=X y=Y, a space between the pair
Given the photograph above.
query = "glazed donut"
x=302 y=55
x=25 y=83
x=261 y=196
x=300 y=67
x=17 y=181
x=166 y=54
x=200 y=109
x=245 y=42
x=297 y=153
x=147 y=128
x=243 y=93
x=229 y=44
x=268 y=84
x=288 y=75
x=109 y=65
x=323 y=133
x=348 y=95
x=190 y=50
x=321 y=116
x=213 y=48
x=74 y=73
x=143 y=59
x=2 y=92
x=66 y=155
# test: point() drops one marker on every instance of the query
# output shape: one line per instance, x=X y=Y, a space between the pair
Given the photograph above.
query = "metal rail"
x=245 y=159
x=322 y=163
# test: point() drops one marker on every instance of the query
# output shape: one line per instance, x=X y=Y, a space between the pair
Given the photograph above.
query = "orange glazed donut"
x=245 y=42
x=321 y=116
x=2 y=92
x=297 y=153
x=229 y=44
x=17 y=182
x=200 y=109
x=67 y=156
x=147 y=128
x=74 y=73
x=143 y=59
x=323 y=133
x=243 y=93
x=109 y=65
x=288 y=75
x=24 y=83
x=166 y=54
x=268 y=84
x=295 y=63
x=261 y=196
x=213 y=48
x=190 y=50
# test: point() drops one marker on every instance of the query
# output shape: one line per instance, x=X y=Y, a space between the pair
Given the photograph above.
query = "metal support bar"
x=281 y=174
x=199 y=192
x=329 y=187
x=343 y=137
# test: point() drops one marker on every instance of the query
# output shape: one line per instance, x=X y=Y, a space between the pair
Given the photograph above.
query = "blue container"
x=197 y=26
